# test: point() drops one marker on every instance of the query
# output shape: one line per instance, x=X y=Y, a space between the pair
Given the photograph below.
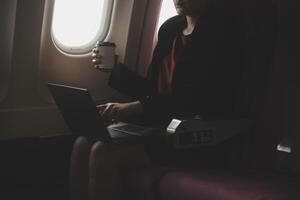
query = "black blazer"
x=207 y=74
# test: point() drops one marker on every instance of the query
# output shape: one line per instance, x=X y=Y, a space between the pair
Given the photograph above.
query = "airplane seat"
x=227 y=184
x=143 y=184
x=261 y=49
x=256 y=177
x=246 y=180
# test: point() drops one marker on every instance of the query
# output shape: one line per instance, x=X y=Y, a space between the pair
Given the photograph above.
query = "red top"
x=167 y=67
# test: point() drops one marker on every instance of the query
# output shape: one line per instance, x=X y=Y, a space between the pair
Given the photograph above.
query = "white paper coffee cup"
x=107 y=53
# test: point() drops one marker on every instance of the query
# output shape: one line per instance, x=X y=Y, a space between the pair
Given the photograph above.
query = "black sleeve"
x=154 y=106
x=128 y=82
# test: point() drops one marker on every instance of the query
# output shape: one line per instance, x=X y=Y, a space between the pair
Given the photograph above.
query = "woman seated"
x=195 y=70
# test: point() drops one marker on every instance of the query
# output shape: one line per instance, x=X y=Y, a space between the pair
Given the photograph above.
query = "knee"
x=80 y=141
x=102 y=153
x=97 y=149
x=81 y=147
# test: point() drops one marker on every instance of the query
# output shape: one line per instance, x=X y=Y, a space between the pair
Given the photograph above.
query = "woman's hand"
x=120 y=111
x=97 y=59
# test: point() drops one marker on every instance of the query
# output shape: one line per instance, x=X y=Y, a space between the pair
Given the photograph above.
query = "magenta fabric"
x=218 y=185
x=142 y=184
x=163 y=184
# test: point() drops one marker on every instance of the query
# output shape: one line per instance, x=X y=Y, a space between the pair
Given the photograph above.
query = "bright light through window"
x=77 y=24
x=167 y=10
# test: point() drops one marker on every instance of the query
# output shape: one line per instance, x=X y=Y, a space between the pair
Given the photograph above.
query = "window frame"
x=86 y=48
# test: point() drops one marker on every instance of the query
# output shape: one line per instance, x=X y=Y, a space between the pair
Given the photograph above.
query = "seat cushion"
x=142 y=184
x=226 y=185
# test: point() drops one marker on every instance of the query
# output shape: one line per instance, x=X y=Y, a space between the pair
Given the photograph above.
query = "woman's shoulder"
x=174 y=21
x=172 y=24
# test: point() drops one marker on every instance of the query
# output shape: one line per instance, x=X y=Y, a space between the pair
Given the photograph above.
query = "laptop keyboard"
x=118 y=134
x=131 y=128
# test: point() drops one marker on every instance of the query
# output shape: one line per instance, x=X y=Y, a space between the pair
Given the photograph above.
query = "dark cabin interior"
x=37 y=167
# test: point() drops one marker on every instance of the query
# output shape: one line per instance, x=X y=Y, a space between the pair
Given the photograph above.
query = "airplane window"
x=167 y=10
x=78 y=24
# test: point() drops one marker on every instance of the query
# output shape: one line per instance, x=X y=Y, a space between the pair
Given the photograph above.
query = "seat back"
x=259 y=91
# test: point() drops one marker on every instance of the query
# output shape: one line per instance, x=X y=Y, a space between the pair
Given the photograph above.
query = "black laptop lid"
x=79 y=111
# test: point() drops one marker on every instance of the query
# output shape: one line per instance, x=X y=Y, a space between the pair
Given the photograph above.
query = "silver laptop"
x=82 y=117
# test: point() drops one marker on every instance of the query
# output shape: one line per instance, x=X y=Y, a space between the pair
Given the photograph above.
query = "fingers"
x=105 y=113
x=110 y=111
x=96 y=57
x=95 y=50
x=101 y=107
x=114 y=114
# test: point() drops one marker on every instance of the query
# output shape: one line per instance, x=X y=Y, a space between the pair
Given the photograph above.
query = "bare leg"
x=79 y=169
x=106 y=164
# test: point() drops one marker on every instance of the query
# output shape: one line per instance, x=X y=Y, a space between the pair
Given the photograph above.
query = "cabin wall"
x=22 y=112
x=29 y=59
x=77 y=70
x=7 y=25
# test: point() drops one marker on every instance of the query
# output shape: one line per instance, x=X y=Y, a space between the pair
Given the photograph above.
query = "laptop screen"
x=79 y=111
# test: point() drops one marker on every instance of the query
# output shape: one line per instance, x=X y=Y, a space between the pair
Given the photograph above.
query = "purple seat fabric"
x=142 y=184
x=221 y=185
x=162 y=184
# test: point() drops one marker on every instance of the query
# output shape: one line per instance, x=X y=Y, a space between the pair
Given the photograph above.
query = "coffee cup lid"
x=107 y=44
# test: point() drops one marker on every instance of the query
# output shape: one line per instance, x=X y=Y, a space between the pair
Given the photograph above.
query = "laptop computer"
x=82 y=117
